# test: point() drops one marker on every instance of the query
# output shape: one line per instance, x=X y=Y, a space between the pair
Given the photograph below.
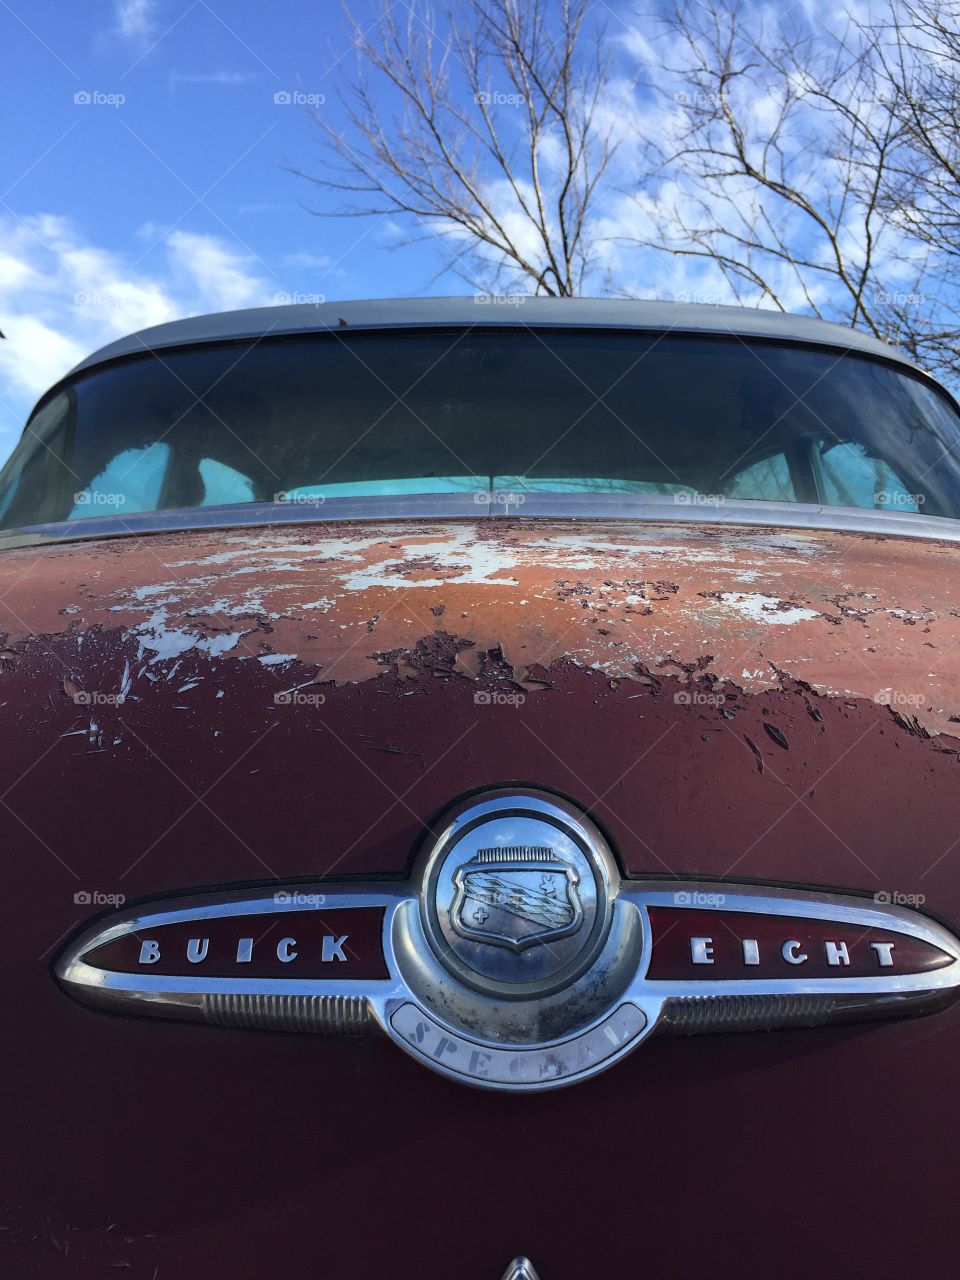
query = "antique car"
x=480 y=784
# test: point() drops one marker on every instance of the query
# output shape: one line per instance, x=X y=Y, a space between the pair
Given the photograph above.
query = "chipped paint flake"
x=769 y=609
x=166 y=642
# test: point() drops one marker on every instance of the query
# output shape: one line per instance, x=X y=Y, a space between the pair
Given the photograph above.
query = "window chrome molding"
x=520 y=504
x=660 y=957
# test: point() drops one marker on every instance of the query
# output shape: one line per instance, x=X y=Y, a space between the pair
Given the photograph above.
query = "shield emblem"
x=515 y=897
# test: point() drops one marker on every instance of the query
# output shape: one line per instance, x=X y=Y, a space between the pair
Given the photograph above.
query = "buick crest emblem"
x=515 y=957
x=516 y=897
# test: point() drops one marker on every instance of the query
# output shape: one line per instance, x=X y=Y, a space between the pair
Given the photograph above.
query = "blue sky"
x=166 y=191
x=145 y=174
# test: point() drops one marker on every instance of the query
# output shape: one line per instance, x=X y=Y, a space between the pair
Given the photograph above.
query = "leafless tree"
x=805 y=167
x=771 y=154
x=781 y=170
x=918 y=48
x=486 y=124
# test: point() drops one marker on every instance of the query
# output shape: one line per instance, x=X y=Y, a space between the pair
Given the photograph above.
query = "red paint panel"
x=861 y=798
x=723 y=940
x=313 y=941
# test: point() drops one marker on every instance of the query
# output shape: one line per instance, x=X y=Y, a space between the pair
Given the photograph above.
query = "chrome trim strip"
x=457 y=1020
x=652 y=509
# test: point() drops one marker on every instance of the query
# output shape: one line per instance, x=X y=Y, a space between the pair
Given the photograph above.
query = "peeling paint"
x=851 y=615
x=767 y=609
x=166 y=642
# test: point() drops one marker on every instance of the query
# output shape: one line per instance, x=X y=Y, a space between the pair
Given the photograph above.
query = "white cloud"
x=135 y=19
x=310 y=261
x=208 y=268
x=177 y=78
x=62 y=297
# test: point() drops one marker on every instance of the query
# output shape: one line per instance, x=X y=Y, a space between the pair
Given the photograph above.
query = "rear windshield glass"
x=307 y=419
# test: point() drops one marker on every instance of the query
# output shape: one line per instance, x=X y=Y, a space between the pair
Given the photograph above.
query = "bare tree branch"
x=803 y=167
x=486 y=127
x=797 y=171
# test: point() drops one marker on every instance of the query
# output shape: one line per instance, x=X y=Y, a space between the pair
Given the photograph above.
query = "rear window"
x=307 y=419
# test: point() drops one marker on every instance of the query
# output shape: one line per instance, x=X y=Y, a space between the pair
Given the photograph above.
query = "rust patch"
x=845 y=614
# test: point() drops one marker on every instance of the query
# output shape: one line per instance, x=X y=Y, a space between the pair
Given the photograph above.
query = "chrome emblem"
x=516 y=897
x=515 y=957
x=520 y=1269
x=517 y=894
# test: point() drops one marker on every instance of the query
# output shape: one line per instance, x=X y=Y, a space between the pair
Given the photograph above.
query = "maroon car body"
x=759 y=698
